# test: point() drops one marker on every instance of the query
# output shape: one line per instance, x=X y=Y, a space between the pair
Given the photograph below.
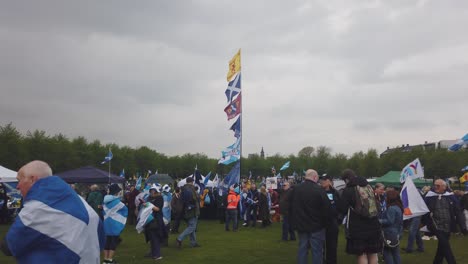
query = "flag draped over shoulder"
x=459 y=144
x=144 y=216
x=413 y=170
x=234 y=65
x=115 y=215
x=234 y=108
x=108 y=157
x=413 y=203
x=55 y=217
x=285 y=166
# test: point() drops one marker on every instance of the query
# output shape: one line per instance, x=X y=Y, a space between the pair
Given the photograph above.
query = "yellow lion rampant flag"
x=234 y=65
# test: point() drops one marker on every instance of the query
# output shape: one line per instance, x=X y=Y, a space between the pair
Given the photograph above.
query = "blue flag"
x=465 y=168
x=234 y=87
x=459 y=144
x=67 y=229
x=115 y=215
x=138 y=183
x=122 y=174
x=207 y=178
x=108 y=157
x=236 y=127
x=285 y=166
x=233 y=176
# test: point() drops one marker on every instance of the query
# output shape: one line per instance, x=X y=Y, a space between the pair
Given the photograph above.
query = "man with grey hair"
x=443 y=208
x=310 y=212
x=55 y=225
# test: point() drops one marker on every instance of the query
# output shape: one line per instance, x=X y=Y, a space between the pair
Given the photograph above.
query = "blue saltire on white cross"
x=55 y=226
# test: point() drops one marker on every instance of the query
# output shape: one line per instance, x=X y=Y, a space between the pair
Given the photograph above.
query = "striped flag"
x=67 y=229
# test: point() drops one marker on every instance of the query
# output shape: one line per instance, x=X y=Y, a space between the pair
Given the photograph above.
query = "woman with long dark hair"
x=392 y=226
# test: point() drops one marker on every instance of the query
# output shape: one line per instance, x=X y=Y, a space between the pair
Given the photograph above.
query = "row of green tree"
x=64 y=154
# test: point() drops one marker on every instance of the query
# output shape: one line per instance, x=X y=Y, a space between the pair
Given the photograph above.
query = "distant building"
x=442 y=144
x=262 y=154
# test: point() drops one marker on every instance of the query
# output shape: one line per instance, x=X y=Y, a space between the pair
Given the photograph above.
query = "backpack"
x=366 y=203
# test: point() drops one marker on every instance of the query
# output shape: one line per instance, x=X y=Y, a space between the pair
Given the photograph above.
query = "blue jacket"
x=392 y=221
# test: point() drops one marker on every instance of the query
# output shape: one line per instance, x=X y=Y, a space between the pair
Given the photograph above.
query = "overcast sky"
x=350 y=75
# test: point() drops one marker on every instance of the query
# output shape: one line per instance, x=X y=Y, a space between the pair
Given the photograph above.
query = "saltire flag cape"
x=234 y=87
x=285 y=166
x=115 y=215
x=459 y=144
x=145 y=215
x=108 y=157
x=55 y=226
x=413 y=203
x=234 y=108
x=236 y=127
x=166 y=210
x=413 y=170
x=234 y=65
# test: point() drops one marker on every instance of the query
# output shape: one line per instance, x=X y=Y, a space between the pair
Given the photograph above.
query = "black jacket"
x=309 y=207
x=359 y=227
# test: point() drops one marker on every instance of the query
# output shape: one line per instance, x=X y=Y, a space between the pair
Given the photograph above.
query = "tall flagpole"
x=240 y=116
x=109 y=169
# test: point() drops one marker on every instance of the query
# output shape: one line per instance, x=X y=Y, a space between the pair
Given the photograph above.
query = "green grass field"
x=249 y=245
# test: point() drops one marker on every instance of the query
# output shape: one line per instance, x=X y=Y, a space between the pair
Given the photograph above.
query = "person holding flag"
x=115 y=217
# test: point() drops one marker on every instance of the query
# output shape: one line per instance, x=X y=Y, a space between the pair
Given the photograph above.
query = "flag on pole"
x=233 y=176
x=459 y=144
x=285 y=166
x=413 y=203
x=207 y=178
x=234 y=87
x=273 y=170
x=230 y=154
x=108 y=157
x=236 y=127
x=234 y=108
x=234 y=65
x=413 y=170
x=122 y=174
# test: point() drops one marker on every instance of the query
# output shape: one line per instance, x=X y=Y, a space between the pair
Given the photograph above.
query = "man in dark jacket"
x=130 y=202
x=177 y=206
x=331 y=236
x=442 y=219
x=310 y=212
x=284 y=210
x=191 y=213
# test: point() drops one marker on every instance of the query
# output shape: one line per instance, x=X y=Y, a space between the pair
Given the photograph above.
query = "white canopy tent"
x=7 y=175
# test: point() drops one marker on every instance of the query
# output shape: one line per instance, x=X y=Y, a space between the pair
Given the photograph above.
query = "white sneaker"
x=425 y=238
x=434 y=237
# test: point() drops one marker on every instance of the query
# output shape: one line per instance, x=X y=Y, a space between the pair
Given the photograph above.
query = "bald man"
x=441 y=221
x=310 y=212
x=55 y=225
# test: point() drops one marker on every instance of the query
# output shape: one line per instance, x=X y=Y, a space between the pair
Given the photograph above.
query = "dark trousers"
x=331 y=243
x=252 y=214
x=231 y=214
x=221 y=214
x=287 y=229
x=131 y=219
x=443 y=248
x=155 y=245
x=176 y=223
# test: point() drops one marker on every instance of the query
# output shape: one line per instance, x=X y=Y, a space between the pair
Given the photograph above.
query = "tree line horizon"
x=65 y=154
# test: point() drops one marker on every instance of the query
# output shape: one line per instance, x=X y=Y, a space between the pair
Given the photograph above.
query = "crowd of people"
x=310 y=211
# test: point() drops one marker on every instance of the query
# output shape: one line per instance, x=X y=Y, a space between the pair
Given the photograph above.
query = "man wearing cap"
x=115 y=217
x=191 y=201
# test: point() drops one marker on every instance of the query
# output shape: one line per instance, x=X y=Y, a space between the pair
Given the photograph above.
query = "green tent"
x=392 y=178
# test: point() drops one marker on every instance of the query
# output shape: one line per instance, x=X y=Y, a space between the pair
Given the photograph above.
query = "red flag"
x=234 y=108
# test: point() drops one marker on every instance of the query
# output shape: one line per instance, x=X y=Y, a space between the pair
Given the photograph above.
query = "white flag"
x=413 y=202
x=413 y=170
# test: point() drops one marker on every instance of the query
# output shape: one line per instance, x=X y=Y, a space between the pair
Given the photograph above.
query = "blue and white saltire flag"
x=55 y=226
x=138 y=183
x=234 y=87
x=278 y=175
x=285 y=166
x=459 y=144
x=207 y=179
x=108 y=157
x=115 y=215
x=464 y=168
x=122 y=173
x=413 y=203
x=216 y=181
x=166 y=210
x=413 y=170
x=232 y=177
x=145 y=215
x=231 y=154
